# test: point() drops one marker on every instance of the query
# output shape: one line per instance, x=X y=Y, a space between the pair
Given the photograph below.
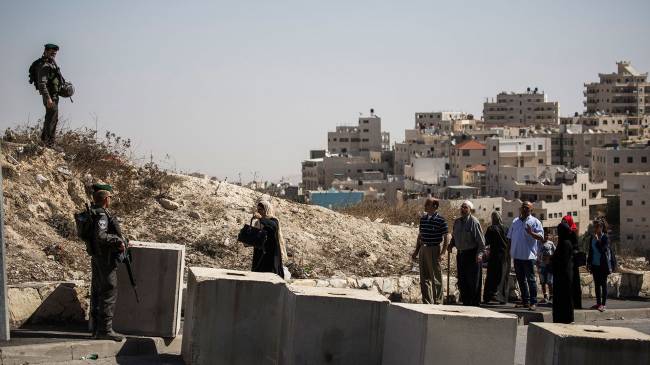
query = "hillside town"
x=586 y=165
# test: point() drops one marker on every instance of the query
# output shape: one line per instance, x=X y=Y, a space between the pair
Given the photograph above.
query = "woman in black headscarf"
x=562 y=261
x=496 y=281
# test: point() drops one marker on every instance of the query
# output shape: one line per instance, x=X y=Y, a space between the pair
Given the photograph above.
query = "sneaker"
x=110 y=335
x=532 y=307
x=601 y=308
x=595 y=306
x=543 y=301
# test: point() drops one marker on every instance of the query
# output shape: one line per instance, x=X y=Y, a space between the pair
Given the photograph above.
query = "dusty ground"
x=42 y=191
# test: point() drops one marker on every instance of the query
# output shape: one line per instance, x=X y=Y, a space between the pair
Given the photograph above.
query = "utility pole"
x=4 y=303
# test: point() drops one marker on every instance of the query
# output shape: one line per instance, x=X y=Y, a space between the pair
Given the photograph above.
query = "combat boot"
x=108 y=335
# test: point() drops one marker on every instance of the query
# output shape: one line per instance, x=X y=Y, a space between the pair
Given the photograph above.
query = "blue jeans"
x=525 y=271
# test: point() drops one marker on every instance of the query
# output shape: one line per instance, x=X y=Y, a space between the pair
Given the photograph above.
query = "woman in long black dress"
x=269 y=257
x=496 y=281
x=562 y=261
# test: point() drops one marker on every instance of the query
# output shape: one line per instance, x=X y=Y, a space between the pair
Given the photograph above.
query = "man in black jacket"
x=107 y=244
x=49 y=84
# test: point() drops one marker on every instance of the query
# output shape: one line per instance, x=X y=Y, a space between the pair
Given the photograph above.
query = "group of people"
x=525 y=245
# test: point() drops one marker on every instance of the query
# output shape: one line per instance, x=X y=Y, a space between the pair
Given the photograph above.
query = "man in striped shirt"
x=433 y=232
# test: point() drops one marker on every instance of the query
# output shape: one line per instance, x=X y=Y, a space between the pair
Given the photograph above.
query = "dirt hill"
x=43 y=187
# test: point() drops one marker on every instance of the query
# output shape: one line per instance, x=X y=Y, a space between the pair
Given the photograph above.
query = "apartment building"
x=634 y=204
x=360 y=139
x=438 y=120
x=313 y=174
x=571 y=145
x=531 y=108
x=608 y=163
x=625 y=92
x=515 y=160
x=466 y=154
x=568 y=192
x=353 y=167
x=419 y=144
x=631 y=126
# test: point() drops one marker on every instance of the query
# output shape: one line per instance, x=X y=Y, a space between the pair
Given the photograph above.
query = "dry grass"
x=409 y=213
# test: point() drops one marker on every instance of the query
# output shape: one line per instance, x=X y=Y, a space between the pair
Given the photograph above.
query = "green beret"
x=98 y=187
x=52 y=46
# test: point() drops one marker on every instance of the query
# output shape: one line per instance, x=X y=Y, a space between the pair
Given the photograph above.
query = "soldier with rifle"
x=107 y=248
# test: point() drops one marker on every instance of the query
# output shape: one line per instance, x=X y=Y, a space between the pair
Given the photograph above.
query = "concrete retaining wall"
x=47 y=302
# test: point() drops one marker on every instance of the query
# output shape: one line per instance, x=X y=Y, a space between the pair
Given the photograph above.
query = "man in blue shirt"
x=524 y=233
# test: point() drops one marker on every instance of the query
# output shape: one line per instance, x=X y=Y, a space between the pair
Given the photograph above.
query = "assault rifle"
x=125 y=257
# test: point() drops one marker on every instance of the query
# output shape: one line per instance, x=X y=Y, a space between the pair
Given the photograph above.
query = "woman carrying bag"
x=269 y=256
x=600 y=262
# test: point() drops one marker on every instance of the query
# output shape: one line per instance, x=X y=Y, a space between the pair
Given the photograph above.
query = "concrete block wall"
x=418 y=334
x=333 y=326
x=557 y=344
x=158 y=270
x=233 y=317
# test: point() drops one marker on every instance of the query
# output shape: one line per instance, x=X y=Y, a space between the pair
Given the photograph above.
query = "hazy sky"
x=244 y=86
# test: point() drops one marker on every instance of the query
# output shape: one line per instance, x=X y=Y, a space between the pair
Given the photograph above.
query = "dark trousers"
x=600 y=281
x=469 y=277
x=50 y=121
x=525 y=271
x=103 y=293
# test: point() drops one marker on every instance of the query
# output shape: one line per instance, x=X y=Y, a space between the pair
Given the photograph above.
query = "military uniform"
x=107 y=238
x=49 y=84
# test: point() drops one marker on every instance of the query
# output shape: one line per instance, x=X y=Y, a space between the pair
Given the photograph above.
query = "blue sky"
x=237 y=87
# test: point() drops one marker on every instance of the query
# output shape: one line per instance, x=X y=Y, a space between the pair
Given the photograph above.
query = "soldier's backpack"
x=85 y=221
x=33 y=71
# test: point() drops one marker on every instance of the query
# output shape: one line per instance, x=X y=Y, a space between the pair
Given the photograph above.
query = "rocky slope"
x=42 y=190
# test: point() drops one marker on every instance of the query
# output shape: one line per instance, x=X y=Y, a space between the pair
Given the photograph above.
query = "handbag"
x=252 y=236
x=580 y=259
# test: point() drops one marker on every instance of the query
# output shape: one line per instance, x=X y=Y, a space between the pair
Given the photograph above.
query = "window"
x=541 y=161
x=575 y=214
x=528 y=147
x=616 y=174
x=616 y=186
x=644 y=159
x=540 y=147
x=365 y=130
x=630 y=220
x=584 y=202
x=629 y=203
x=494 y=148
x=630 y=159
x=465 y=152
x=616 y=159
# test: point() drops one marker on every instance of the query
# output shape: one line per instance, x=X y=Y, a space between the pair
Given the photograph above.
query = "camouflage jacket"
x=49 y=79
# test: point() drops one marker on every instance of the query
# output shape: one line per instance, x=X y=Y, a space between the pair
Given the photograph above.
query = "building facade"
x=521 y=109
x=634 y=204
x=625 y=92
x=608 y=163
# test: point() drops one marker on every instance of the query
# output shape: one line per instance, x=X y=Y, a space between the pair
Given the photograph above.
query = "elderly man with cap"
x=107 y=244
x=49 y=84
x=467 y=237
x=524 y=233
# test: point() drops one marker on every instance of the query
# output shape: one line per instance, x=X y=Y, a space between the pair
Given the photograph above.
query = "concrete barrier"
x=437 y=334
x=233 y=317
x=158 y=271
x=556 y=344
x=333 y=326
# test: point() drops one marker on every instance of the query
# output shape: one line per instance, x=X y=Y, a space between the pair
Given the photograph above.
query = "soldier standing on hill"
x=107 y=245
x=49 y=83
